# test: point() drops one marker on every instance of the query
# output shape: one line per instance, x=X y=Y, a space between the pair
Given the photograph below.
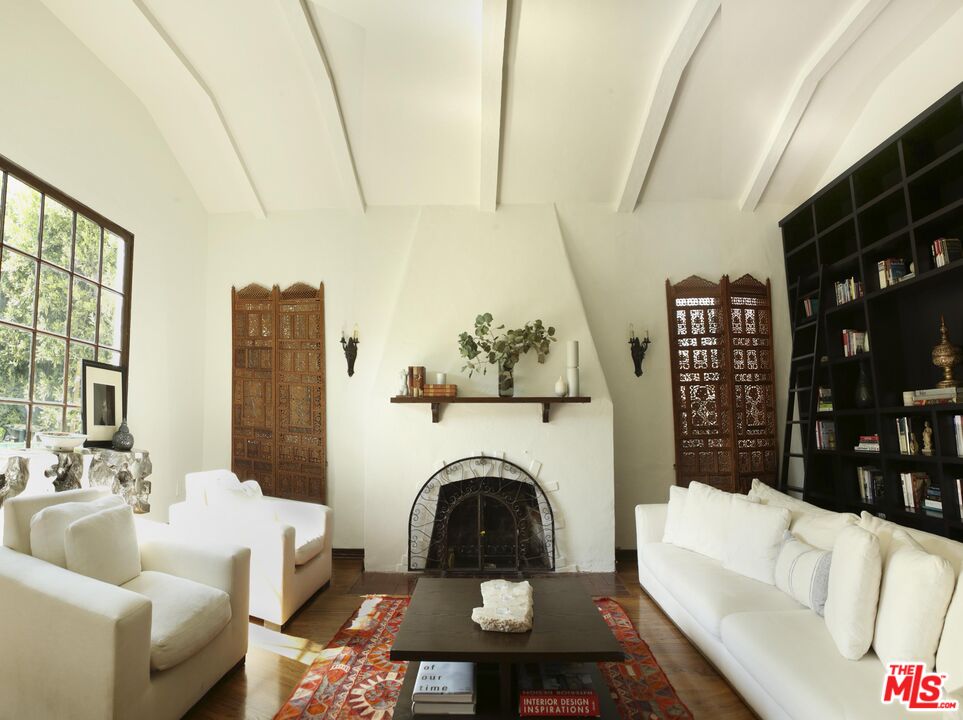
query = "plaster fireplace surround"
x=481 y=515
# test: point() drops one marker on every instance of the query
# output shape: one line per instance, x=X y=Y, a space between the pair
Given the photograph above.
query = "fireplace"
x=481 y=515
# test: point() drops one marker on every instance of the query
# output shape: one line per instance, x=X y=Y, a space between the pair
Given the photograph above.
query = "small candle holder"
x=350 y=345
x=638 y=349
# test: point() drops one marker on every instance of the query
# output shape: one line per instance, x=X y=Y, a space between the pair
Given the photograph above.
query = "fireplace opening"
x=481 y=515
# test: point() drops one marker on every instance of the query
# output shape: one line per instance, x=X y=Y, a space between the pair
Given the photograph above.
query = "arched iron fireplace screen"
x=481 y=514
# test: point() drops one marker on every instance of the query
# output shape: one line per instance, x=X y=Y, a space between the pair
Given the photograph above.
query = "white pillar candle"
x=573 y=353
x=441 y=378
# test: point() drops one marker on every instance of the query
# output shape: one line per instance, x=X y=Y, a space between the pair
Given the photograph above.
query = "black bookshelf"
x=893 y=203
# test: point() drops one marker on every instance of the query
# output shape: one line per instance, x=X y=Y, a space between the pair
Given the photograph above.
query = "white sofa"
x=290 y=541
x=777 y=654
x=73 y=646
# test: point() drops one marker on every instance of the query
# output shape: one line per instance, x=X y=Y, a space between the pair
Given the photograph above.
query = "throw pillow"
x=802 y=572
x=705 y=521
x=913 y=600
x=104 y=546
x=821 y=529
x=673 y=517
x=755 y=535
x=760 y=492
x=853 y=595
x=49 y=526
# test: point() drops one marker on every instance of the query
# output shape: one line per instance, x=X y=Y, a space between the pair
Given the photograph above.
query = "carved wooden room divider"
x=721 y=359
x=278 y=390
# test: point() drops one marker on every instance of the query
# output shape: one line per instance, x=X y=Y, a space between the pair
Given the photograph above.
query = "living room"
x=317 y=316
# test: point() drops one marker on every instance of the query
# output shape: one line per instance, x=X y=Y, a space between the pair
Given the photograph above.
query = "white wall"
x=621 y=263
x=359 y=259
x=927 y=74
x=67 y=119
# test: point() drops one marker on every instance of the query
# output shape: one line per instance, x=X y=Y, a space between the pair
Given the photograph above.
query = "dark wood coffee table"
x=567 y=628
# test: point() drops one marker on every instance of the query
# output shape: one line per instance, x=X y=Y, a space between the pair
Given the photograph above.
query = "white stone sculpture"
x=506 y=607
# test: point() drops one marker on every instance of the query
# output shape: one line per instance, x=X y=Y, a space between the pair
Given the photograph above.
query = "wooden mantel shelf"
x=545 y=401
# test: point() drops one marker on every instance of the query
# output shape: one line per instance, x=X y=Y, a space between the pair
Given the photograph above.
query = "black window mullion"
x=100 y=276
x=70 y=313
x=33 y=330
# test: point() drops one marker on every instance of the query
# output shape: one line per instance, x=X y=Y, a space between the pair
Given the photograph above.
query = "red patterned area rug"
x=353 y=678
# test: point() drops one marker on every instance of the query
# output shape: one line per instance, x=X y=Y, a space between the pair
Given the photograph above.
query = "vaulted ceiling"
x=275 y=105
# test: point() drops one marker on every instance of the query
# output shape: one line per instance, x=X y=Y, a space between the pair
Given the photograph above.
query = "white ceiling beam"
x=657 y=112
x=829 y=53
x=494 y=44
x=257 y=207
x=312 y=50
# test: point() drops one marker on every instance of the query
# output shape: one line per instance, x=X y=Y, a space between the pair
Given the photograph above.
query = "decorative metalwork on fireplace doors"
x=481 y=515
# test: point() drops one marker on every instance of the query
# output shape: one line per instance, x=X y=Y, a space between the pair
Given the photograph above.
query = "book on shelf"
x=867 y=443
x=825 y=435
x=871 y=484
x=854 y=342
x=933 y=498
x=914 y=489
x=958 y=433
x=445 y=682
x=847 y=290
x=908 y=444
x=810 y=306
x=824 y=400
x=891 y=271
x=945 y=251
x=556 y=690
x=959 y=494
x=932 y=396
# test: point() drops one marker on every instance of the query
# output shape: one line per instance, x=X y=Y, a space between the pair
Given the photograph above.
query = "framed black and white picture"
x=104 y=401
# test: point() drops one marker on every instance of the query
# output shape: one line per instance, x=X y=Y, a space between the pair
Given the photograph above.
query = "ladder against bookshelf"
x=871 y=247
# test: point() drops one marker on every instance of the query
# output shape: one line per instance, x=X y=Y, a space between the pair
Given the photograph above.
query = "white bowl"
x=61 y=441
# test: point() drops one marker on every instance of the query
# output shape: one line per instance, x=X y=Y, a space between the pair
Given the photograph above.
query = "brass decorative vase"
x=946 y=356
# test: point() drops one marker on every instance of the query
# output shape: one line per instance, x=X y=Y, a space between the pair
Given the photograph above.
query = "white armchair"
x=74 y=646
x=290 y=541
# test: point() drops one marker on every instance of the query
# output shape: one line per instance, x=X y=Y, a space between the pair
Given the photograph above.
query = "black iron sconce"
x=638 y=348
x=350 y=345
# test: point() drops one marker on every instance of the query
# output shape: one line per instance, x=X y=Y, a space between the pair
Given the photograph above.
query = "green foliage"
x=51 y=356
x=484 y=347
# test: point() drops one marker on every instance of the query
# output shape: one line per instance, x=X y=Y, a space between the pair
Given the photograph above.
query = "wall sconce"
x=350 y=345
x=638 y=348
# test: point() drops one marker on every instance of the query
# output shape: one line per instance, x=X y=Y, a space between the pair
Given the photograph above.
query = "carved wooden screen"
x=278 y=403
x=722 y=384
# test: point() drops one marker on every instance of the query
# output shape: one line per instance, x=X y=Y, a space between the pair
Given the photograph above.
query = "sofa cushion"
x=185 y=616
x=104 y=546
x=240 y=503
x=949 y=655
x=674 y=520
x=705 y=521
x=760 y=492
x=792 y=655
x=933 y=544
x=821 y=529
x=802 y=571
x=913 y=599
x=48 y=528
x=854 y=578
x=755 y=536
x=706 y=589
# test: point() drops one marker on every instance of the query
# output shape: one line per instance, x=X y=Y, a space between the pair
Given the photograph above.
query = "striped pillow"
x=802 y=571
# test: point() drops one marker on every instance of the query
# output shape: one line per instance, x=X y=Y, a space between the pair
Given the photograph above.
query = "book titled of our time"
x=444 y=688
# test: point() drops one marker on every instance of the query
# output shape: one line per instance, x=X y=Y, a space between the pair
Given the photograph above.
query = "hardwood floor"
x=276 y=662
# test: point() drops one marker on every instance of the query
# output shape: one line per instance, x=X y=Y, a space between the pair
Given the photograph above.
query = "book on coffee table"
x=445 y=682
x=442 y=708
x=556 y=690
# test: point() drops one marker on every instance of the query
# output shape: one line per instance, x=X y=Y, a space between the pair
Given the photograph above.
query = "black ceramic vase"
x=864 y=393
x=122 y=439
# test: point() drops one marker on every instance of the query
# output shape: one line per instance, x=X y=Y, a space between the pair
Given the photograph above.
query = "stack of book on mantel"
x=556 y=690
x=444 y=688
x=440 y=391
x=932 y=396
x=868 y=443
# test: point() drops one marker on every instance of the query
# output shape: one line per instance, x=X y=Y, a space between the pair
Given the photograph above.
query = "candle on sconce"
x=632 y=331
x=356 y=332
